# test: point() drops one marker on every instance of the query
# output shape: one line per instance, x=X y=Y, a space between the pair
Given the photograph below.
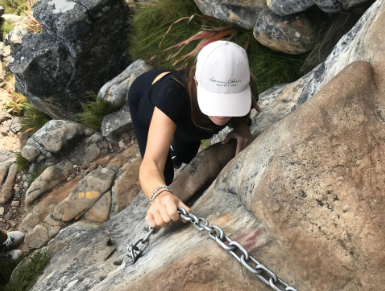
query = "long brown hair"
x=203 y=121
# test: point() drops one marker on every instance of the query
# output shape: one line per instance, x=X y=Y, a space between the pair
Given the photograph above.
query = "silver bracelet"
x=156 y=190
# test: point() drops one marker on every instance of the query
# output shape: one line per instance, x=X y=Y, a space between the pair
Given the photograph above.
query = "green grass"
x=22 y=163
x=32 y=118
x=6 y=28
x=150 y=22
x=14 y=6
x=205 y=143
x=27 y=277
x=94 y=112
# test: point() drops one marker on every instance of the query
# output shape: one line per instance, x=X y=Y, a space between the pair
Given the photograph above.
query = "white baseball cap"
x=223 y=77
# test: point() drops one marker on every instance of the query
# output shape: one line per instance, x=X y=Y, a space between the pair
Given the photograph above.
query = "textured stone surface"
x=348 y=4
x=100 y=211
x=56 y=134
x=51 y=177
x=115 y=91
x=47 y=205
x=77 y=52
x=6 y=191
x=119 y=160
x=288 y=7
x=295 y=194
x=126 y=186
x=117 y=123
x=85 y=194
x=329 y=6
x=244 y=13
x=15 y=37
x=292 y=34
x=37 y=238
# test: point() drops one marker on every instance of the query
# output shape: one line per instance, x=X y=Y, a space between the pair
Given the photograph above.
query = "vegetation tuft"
x=32 y=119
x=14 y=6
x=22 y=163
x=27 y=276
x=94 y=112
x=150 y=23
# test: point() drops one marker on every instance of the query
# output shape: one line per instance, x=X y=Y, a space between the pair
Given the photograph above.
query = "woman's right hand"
x=163 y=210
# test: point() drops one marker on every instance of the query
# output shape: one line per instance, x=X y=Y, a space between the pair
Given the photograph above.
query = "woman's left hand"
x=243 y=136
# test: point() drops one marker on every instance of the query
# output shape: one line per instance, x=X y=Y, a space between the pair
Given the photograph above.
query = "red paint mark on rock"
x=249 y=239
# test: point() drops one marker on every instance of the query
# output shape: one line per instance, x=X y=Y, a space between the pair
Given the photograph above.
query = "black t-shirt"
x=173 y=100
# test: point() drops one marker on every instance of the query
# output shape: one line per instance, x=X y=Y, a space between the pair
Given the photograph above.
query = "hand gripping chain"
x=216 y=233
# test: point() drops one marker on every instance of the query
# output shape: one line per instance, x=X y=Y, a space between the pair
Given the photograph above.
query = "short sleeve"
x=172 y=99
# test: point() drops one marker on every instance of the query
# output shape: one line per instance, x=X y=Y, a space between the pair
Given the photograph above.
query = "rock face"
x=77 y=52
x=53 y=137
x=115 y=91
x=85 y=194
x=117 y=123
x=50 y=178
x=305 y=198
x=293 y=34
x=244 y=13
x=288 y=7
x=295 y=194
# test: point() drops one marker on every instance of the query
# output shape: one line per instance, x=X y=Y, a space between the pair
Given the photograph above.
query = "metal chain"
x=217 y=234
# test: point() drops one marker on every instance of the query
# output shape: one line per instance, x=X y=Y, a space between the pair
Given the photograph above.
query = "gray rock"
x=115 y=91
x=50 y=178
x=85 y=194
x=56 y=134
x=15 y=37
x=92 y=152
x=73 y=55
x=292 y=34
x=243 y=13
x=30 y=152
x=6 y=189
x=329 y=6
x=288 y=7
x=117 y=123
x=348 y=4
x=12 y=18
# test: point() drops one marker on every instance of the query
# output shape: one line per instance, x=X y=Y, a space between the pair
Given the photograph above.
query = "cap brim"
x=221 y=104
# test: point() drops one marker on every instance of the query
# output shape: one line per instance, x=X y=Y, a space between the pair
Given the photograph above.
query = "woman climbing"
x=172 y=111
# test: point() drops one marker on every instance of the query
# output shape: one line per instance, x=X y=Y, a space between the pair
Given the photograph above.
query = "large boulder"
x=244 y=13
x=295 y=194
x=83 y=45
x=305 y=198
x=293 y=34
x=116 y=90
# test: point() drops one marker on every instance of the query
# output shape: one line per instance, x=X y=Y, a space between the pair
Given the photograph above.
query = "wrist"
x=158 y=190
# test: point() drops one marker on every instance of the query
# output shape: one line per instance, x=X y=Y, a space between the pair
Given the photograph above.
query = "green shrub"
x=22 y=163
x=94 y=112
x=28 y=275
x=150 y=22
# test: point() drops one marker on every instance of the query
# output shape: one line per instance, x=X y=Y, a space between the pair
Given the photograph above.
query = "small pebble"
x=111 y=150
x=104 y=151
x=122 y=145
x=110 y=146
x=15 y=203
x=1 y=210
x=17 y=189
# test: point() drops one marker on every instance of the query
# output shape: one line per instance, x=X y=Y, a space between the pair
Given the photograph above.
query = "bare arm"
x=164 y=208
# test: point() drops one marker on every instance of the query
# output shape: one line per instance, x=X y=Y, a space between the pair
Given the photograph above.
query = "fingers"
x=181 y=204
x=228 y=137
x=150 y=221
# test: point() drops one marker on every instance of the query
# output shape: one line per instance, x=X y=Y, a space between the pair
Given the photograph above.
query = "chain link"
x=217 y=234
